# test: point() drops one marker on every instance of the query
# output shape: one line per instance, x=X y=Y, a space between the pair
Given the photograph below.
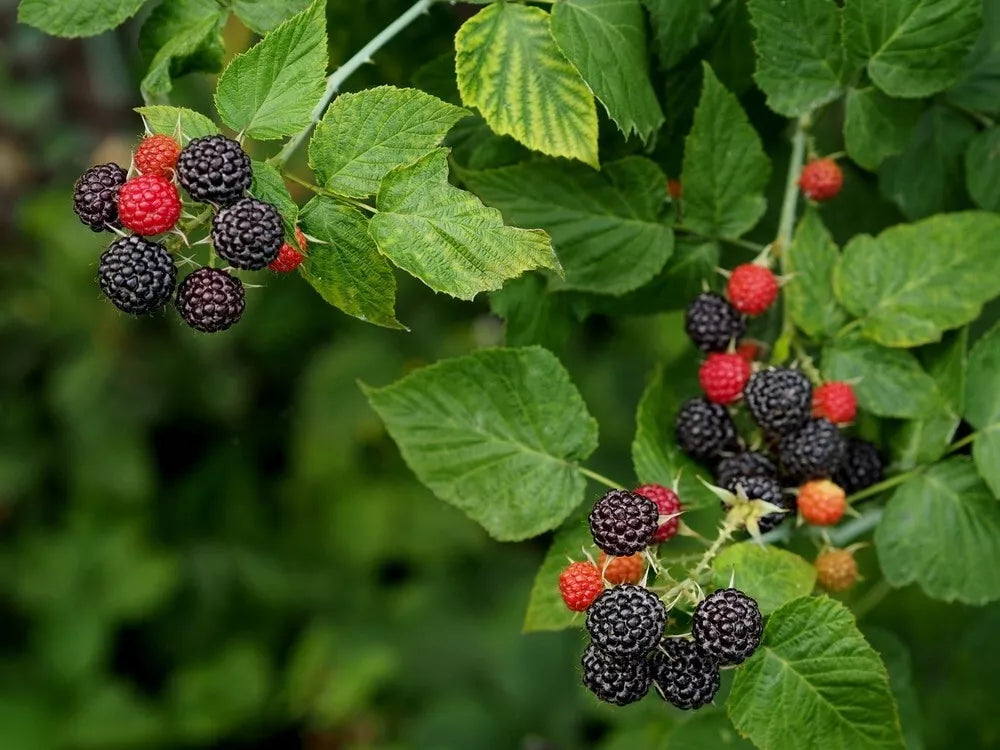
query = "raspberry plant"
x=584 y=158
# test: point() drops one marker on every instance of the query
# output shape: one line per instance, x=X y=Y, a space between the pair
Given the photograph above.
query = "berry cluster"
x=139 y=275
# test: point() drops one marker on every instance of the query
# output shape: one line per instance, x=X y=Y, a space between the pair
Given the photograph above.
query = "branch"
x=341 y=74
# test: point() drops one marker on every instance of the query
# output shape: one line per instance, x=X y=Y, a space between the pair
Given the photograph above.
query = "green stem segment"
x=341 y=74
x=599 y=478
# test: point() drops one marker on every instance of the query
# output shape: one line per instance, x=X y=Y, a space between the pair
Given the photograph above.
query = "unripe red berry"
x=580 y=584
x=675 y=189
x=290 y=258
x=821 y=502
x=157 y=155
x=821 y=179
x=722 y=377
x=835 y=401
x=149 y=204
x=752 y=288
x=668 y=504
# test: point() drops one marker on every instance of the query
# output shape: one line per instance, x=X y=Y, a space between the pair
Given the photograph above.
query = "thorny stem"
x=726 y=531
x=341 y=74
x=599 y=478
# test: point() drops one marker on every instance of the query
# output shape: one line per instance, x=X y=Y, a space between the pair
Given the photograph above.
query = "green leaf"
x=978 y=88
x=531 y=315
x=365 y=135
x=924 y=441
x=941 y=529
x=897 y=662
x=678 y=27
x=877 y=126
x=263 y=15
x=511 y=69
x=606 y=41
x=76 y=18
x=270 y=90
x=346 y=267
x=982 y=169
x=546 y=609
x=605 y=226
x=915 y=281
x=655 y=454
x=170 y=120
x=269 y=186
x=927 y=177
x=830 y=684
x=890 y=382
x=497 y=433
x=912 y=48
x=181 y=36
x=725 y=167
x=447 y=238
x=982 y=406
x=800 y=60
x=770 y=575
x=810 y=261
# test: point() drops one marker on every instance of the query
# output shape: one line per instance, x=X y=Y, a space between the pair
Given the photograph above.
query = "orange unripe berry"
x=622 y=569
x=836 y=569
x=821 y=502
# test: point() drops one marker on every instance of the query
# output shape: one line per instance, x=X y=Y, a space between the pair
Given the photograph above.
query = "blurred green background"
x=209 y=541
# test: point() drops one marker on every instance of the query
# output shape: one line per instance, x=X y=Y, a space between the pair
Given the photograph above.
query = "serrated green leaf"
x=897 y=662
x=447 y=238
x=941 y=530
x=915 y=281
x=606 y=41
x=982 y=406
x=928 y=176
x=170 y=120
x=770 y=575
x=877 y=126
x=655 y=453
x=890 y=382
x=365 y=135
x=605 y=226
x=263 y=15
x=978 y=87
x=925 y=440
x=800 y=59
x=831 y=685
x=678 y=27
x=269 y=186
x=982 y=169
x=497 y=433
x=912 y=48
x=181 y=36
x=810 y=261
x=270 y=90
x=725 y=167
x=532 y=315
x=76 y=18
x=346 y=267
x=512 y=71
x=546 y=609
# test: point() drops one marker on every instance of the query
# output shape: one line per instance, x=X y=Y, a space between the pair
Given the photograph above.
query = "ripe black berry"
x=779 y=399
x=623 y=523
x=683 y=674
x=746 y=464
x=860 y=467
x=626 y=622
x=618 y=681
x=813 y=451
x=210 y=300
x=727 y=625
x=214 y=169
x=137 y=275
x=711 y=322
x=769 y=490
x=248 y=233
x=95 y=196
x=704 y=429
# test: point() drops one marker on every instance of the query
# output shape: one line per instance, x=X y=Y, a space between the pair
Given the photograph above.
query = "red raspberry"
x=149 y=205
x=835 y=401
x=821 y=502
x=749 y=350
x=675 y=189
x=836 y=569
x=622 y=569
x=288 y=257
x=668 y=504
x=157 y=154
x=580 y=584
x=821 y=179
x=752 y=288
x=722 y=377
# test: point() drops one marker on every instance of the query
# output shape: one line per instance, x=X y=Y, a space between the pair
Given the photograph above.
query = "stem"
x=959 y=444
x=735 y=241
x=330 y=193
x=856 y=527
x=884 y=485
x=726 y=531
x=341 y=74
x=599 y=478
